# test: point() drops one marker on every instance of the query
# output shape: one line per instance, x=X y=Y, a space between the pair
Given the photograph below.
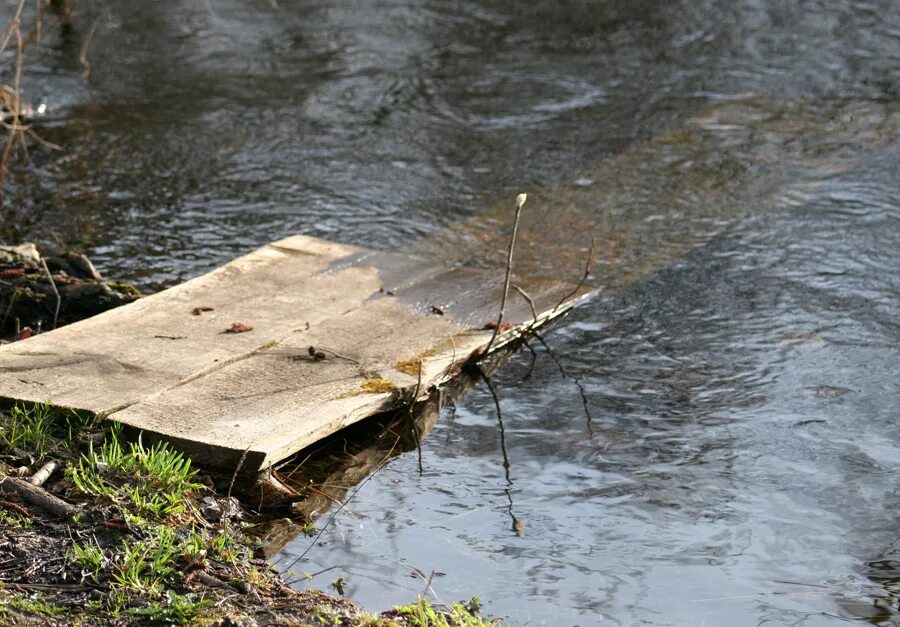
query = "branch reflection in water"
x=325 y=474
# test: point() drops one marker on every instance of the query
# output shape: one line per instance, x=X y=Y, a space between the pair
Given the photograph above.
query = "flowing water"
x=716 y=439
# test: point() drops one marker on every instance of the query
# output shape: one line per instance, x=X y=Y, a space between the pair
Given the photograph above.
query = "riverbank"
x=99 y=530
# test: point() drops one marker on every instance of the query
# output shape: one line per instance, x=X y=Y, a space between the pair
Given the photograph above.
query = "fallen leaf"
x=506 y=326
x=238 y=327
x=12 y=273
x=199 y=310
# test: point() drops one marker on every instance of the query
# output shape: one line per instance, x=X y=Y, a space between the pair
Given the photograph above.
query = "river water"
x=716 y=438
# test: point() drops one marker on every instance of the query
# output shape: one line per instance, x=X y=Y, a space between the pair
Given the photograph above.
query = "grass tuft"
x=424 y=614
x=176 y=609
x=155 y=481
x=35 y=431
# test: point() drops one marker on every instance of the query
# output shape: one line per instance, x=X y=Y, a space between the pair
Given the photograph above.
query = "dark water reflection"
x=741 y=465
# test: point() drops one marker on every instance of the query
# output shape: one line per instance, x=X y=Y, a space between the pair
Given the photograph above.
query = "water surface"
x=737 y=459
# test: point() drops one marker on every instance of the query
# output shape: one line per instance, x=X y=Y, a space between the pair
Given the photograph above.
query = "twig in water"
x=520 y=200
x=55 y=292
x=584 y=277
x=412 y=418
x=332 y=499
x=565 y=373
x=516 y=523
x=82 y=54
x=506 y=464
x=344 y=505
x=533 y=361
x=428 y=585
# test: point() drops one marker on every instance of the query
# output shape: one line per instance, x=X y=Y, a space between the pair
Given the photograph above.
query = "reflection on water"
x=737 y=163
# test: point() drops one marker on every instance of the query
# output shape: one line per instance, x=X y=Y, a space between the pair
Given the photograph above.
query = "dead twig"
x=520 y=201
x=381 y=465
x=319 y=349
x=82 y=54
x=38 y=496
x=55 y=292
x=40 y=477
x=584 y=277
x=12 y=301
x=428 y=587
x=412 y=418
x=210 y=581
x=331 y=498
x=527 y=297
x=237 y=469
x=16 y=508
x=15 y=134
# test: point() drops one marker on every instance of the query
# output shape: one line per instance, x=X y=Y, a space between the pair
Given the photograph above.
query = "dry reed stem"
x=520 y=202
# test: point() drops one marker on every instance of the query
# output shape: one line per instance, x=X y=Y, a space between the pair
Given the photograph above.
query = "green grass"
x=89 y=557
x=156 y=559
x=177 y=609
x=14 y=519
x=37 y=430
x=32 y=604
x=155 y=481
x=424 y=614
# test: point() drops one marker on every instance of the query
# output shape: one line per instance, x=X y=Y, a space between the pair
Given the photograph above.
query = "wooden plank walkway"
x=169 y=367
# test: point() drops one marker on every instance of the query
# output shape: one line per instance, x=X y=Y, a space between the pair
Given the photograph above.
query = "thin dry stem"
x=55 y=293
x=412 y=417
x=520 y=202
x=584 y=277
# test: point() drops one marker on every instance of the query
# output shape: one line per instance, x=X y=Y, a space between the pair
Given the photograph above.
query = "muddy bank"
x=38 y=293
x=96 y=530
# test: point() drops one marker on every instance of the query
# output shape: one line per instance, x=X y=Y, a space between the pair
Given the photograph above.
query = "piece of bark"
x=41 y=476
x=210 y=580
x=38 y=496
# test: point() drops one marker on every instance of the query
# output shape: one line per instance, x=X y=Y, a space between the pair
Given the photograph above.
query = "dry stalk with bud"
x=520 y=201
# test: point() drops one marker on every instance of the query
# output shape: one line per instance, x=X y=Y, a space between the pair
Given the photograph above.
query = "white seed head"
x=520 y=200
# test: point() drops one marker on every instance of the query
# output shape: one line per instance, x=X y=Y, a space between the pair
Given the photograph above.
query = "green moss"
x=32 y=604
x=126 y=289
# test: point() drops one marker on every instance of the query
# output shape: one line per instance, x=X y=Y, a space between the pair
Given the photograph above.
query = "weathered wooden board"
x=160 y=367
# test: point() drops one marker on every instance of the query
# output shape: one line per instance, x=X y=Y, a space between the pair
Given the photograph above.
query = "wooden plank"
x=279 y=400
x=120 y=356
x=155 y=366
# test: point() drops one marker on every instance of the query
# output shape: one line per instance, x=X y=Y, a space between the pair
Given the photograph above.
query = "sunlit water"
x=737 y=461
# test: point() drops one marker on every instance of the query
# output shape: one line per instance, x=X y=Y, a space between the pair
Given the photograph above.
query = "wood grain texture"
x=171 y=374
